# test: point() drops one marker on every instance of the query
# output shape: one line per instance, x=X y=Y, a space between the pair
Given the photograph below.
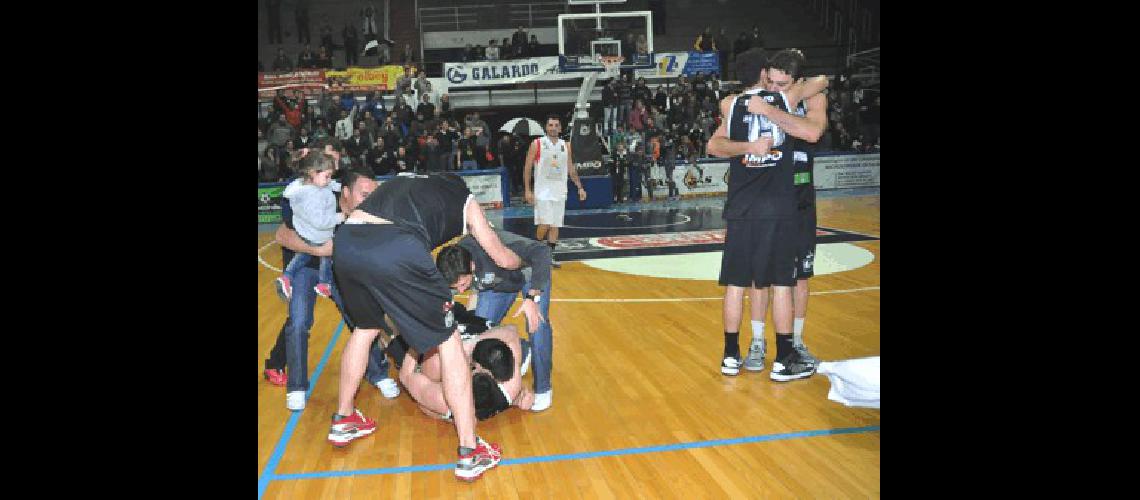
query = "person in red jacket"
x=292 y=112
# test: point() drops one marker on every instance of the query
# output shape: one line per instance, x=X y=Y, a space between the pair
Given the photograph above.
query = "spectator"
x=368 y=24
x=269 y=167
x=625 y=99
x=280 y=133
x=755 y=40
x=722 y=45
x=323 y=60
x=466 y=157
x=660 y=99
x=358 y=144
x=660 y=118
x=405 y=162
x=326 y=32
x=426 y=108
x=329 y=107
x=492 y=53
x=344 y=125
x=423 y=86
x=704 y=41
x=642 y=45
x=351 y=44
x=306 y=59
x=519 y=43
x=445 y=108
x=374 y=104
x=610 y=106
x=408 y=57
x=390 y=132
x=301 y=14
x=468 y=54
x=347 y=101
x=869 y=123
x=638 y=116
x=404 y=82
x=281 y=63
x=274 y=8
x=533 y=47
x=505 y=49
x=446 y=138
x=320 y=133
x=365 y=131
x=303 y=140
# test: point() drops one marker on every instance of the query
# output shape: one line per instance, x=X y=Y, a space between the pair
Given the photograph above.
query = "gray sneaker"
x=807 y=357
x=755 y=360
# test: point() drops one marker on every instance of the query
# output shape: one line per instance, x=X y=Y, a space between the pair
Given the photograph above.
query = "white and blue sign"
x=674 y=64
x=484 y=73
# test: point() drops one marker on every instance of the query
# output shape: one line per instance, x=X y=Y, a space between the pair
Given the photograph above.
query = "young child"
x=314 y=216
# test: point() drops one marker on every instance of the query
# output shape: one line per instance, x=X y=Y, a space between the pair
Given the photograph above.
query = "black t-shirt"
x=467 y=149
x=429 y=205
x=760 y=187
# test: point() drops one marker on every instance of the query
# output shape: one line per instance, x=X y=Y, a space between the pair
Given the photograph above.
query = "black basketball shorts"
x=383 y=268
x=805 y=242
x=759 y=253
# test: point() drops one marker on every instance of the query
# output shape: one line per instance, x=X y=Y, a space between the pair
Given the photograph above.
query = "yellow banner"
x=383 y=76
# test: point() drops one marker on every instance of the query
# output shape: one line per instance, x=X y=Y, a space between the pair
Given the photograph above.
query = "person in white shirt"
x=549 y=162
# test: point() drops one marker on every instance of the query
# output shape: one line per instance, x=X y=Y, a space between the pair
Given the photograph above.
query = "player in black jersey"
x=807 y=124
x=759 y=248
x=383 y=266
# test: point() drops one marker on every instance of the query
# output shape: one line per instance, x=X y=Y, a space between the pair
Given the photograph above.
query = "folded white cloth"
x=854 y=382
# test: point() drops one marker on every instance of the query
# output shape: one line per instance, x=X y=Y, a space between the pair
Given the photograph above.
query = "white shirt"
x=550 y=170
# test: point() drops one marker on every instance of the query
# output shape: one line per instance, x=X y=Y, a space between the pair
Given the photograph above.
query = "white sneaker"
x=295 y=400
x=388 y=388
x=542 y=400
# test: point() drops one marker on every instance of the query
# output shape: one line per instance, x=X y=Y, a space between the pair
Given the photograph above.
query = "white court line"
x=262 y=261
x=676 y=299
x=695 y=299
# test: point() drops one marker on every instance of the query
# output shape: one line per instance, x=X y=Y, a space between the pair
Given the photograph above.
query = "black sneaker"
x=731 y=365
x=791 y=367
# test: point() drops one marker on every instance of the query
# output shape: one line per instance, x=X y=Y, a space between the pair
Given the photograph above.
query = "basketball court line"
x=588 y=455
x=268 y=474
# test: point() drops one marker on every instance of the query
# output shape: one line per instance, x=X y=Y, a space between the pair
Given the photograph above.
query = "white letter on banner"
x=514 y=71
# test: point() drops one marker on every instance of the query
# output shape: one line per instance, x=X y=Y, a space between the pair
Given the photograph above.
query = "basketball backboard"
x=584 y=39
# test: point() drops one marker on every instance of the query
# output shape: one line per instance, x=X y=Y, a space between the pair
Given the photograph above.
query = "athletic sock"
x=732 y=345
x=798 y=331
x=757 y=332
x=784 y=345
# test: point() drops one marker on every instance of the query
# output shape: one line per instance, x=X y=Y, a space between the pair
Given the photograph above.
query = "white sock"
x=798 y=332
x=757 y=332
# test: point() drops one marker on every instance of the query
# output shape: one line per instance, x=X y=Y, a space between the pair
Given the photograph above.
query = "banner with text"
x=846 y=171
x=482 y=73
x=674 y=64
x=269 y=204
x=698 y=179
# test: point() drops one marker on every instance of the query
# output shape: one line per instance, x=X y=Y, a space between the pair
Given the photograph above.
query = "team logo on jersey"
x=808 y=259
x=768 y=160
x=448 y=315
x=584 y=130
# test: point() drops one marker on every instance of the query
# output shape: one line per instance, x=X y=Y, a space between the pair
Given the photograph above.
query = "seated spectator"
x=533 y=48
x=404 y=162
x=379 y=159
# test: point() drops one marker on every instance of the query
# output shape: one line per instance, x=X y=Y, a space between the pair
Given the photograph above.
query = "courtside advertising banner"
x=674 y=64
x=269 y=203
x=483 y=73
x=586 y=147
x=846 y=171
x=699 y=179
x=487 y=188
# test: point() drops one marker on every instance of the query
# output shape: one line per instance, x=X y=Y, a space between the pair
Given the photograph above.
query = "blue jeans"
x=294 y=336
x=494 y=305
x=301 y=260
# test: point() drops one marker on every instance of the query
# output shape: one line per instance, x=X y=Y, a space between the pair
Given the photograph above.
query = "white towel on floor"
x=854 y=382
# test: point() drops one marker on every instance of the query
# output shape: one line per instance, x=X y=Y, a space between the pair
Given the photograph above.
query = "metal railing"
x=490 y=16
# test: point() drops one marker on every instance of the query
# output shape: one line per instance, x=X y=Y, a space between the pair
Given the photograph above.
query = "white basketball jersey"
x=550 y=170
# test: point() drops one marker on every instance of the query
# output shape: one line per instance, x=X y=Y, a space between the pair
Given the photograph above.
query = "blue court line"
x=592 y=454
x=267 y=474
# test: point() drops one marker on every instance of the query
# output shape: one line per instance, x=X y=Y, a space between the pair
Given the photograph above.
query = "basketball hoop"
x=612 y=65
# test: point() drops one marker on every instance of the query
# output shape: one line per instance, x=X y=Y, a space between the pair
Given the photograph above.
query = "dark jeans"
x=292 y=346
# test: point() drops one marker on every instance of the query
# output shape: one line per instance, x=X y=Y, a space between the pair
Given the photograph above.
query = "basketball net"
x=612 y=65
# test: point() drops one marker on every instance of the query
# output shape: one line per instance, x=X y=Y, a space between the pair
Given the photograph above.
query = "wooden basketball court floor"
x=640 y=409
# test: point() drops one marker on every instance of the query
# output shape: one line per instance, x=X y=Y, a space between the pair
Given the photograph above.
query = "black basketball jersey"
x=430 y=205
x=804 y=162
x=759 y=187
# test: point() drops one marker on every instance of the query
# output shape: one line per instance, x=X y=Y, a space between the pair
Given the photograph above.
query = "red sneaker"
x=345 y=429
x=284 y=288
x=324 y=290
x=276 y=377
x=484 y=457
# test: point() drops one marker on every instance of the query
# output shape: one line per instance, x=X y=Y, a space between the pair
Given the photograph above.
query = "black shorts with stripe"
x=385 y=269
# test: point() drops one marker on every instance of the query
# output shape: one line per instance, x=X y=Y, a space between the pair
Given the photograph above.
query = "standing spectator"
x=468 y=54
x=280 y=133
x=505 y=49
x=641 y=92
x=374 y=104
x=426 y=108
x=368 y=24
x=638 y=116
x=722 y=45
x=306 y=59
x=351 y=44
x=323 y=60
x=301 y=14
x=404 y=82
x=292 y=110
x=625 y=99
x=408 y=57
x=755 y=40
x=274 y=8
x=368 y=128
x=423 y=87
x=492 y=51
x=326 y=32
x=268 y=166
x=519 y=44
x=714 y=90
x=466 y=157
x=347 y=101
x=700 y=88
x=533 y=47
x=390 y=132
x=618 y=167
x=281 y=63
x=609 y=106
x=446 y=138
x=660 y=99
x=344 y=125
x=329 y=108
x=660 y=118
x=445 y=107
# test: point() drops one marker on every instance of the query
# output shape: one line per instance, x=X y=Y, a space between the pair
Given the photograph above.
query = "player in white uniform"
x=549 y=162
